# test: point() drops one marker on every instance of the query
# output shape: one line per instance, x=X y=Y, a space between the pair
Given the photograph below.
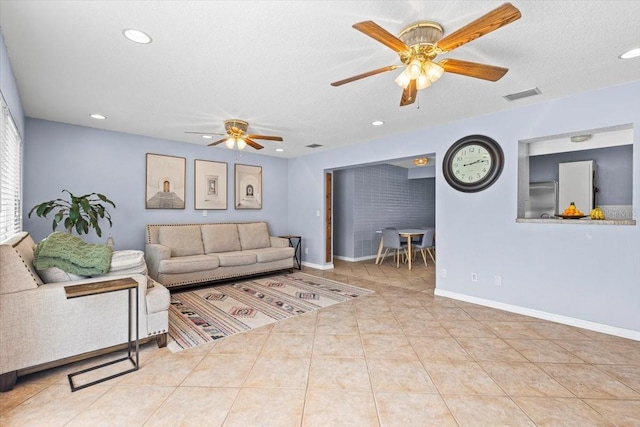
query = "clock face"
x=473 y=163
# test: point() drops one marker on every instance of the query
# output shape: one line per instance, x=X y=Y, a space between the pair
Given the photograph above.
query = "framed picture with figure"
x=248 y=187
x=166 y=176
x=210 y=184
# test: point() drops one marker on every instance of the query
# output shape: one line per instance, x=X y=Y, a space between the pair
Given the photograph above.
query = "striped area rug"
x=206 y=314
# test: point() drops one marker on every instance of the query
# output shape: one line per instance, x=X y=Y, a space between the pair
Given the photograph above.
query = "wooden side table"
x=126 y=284
x=297 y=251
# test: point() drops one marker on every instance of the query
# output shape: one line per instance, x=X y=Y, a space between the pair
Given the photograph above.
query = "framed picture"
x=248 y=187
x=210 y=184
x=166 y=176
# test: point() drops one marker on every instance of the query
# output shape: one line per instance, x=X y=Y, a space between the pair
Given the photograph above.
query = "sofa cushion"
x=254 y=235
x=184 y=240
x=273 y=254
x=229 y=259
x=188 y=264
x=57 y=275
x=220 y=238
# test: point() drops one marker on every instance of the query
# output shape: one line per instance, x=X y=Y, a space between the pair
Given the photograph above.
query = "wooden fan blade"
x=253 y=144
x=378 y=33
x=217 y=142
x=363 y=75
x=493 y=20
x=473 y=69
x=270 y=138
x=409 y=94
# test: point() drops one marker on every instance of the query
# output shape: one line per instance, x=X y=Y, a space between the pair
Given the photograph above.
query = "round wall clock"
x=473 y=163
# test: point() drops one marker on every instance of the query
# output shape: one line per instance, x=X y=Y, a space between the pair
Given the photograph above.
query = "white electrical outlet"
x=474 y=277
x=443 y=272
x=306 y=251
x=497 y=280
x=205 y=213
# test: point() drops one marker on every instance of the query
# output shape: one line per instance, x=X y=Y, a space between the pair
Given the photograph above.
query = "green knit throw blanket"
x=72 y=254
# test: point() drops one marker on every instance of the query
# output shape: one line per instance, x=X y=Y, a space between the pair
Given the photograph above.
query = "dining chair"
x=391 y=240
x=426 y=245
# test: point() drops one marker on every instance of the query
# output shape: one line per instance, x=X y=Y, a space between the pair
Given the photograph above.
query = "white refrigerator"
x=576 y=183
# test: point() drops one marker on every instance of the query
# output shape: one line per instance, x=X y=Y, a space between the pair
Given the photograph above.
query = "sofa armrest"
x=279 y=242
x=153 y=254
x=42 y=325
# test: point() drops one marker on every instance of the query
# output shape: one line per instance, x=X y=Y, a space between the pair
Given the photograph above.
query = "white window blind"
x=10 y=175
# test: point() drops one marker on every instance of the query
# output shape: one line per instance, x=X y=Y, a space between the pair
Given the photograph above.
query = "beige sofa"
x=41 y=328
x=178 y=255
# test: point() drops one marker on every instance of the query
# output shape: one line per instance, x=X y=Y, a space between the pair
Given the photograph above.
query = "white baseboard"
x=318 y=266
x=565 y=320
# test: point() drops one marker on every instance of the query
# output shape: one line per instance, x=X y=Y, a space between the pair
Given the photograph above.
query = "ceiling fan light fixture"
x=241 y=143
x=230 y=142
x=413 y=69
x=423 y=81
x=433 y=71
x=403 y=79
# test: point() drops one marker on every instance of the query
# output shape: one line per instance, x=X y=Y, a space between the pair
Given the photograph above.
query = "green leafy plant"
x=79 y=212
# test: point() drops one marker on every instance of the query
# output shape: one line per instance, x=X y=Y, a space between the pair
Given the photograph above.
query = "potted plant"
x=79 y=213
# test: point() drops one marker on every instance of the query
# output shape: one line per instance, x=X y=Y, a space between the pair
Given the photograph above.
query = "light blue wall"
x=83 y=160
x=584 y=272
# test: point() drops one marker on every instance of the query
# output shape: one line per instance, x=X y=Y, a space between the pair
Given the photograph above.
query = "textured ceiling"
x=271 y=62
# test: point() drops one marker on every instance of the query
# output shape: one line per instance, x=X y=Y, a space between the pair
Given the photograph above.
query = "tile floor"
x=399 y=357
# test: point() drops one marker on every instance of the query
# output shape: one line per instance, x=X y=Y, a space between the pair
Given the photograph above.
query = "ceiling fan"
x=236 y=135
x=419 y=44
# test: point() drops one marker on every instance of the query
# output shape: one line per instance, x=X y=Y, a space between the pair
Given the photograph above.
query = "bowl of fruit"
x=572 y=212
x=597 y=213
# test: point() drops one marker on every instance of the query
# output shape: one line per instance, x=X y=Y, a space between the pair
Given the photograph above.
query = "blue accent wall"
x=380 y=196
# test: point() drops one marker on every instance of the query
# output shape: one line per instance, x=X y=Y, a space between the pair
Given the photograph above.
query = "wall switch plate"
x=318 y=213
x=474 y=277
x=497 y=280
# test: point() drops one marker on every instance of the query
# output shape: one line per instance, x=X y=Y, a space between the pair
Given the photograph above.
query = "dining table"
x=409 y=234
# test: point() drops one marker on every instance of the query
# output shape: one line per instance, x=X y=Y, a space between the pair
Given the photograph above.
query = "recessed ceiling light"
x=580 y=138
x=633 y=53
x=279 y=149
x=377 y=123
x=207 y=136
x=136 y=36
x=98 y=116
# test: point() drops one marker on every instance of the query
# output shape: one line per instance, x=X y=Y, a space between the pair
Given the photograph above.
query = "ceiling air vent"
x=314 y=146
x=523 y=94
